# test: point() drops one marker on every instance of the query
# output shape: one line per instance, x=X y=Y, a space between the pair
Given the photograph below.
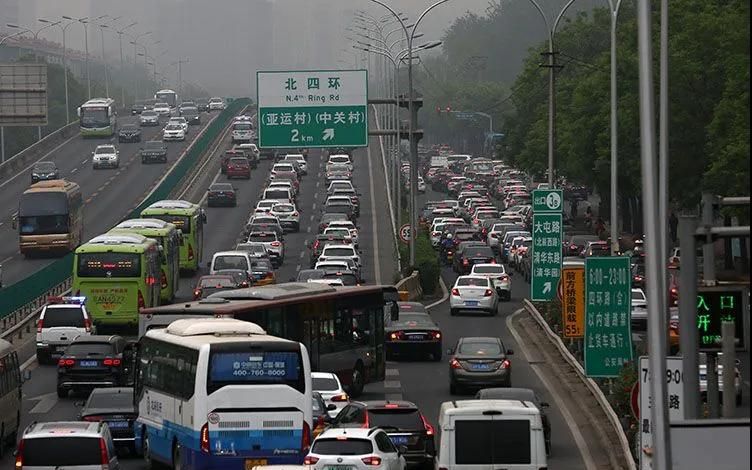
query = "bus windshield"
x=109 y=265
x=43 y=224
x=255 y=367
x=94 y=117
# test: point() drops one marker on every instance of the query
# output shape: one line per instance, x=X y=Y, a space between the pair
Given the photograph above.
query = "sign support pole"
x=729 y=366
x=688 y=341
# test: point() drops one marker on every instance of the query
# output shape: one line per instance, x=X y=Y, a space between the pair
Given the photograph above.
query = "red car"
x=227 y=156
x=238 y=167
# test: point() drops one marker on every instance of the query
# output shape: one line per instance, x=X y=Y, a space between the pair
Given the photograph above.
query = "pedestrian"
x=589 y=216
x=573 y=207
x=673 y=223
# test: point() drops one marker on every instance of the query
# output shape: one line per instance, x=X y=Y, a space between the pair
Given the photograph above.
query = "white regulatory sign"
x=675 y=384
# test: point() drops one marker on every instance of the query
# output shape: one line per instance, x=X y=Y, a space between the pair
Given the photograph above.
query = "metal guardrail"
x=589 y=383
x=14 y=161
x=20 y=302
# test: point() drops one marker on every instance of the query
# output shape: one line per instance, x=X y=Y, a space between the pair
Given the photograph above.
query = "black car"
x=191 y=114
x=153 y=151
x=222 y=194
x=129 y=133
x=43 y=171
x=467 y=256
x=138 y=107
x=523 y=394
x=415 y=333
x=202 y=105
x=115 y=407
x=403 y=422
x=93 y=361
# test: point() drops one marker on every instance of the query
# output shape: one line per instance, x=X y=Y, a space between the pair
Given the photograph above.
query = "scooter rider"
x=446 y=245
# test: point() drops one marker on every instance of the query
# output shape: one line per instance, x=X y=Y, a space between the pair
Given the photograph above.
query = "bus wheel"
x=177 y=464
x=146 y=452
x=356 y=384
x=3 y=441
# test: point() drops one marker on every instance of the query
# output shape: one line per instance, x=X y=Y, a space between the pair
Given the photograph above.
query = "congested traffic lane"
x=108 y=194
x=427 y=383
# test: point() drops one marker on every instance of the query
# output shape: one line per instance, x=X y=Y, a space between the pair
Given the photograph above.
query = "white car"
x=181 y=121
x=328 y=384
x=421 y=185
x=216 y=104
x=288 y=215
x=474 y=293
x=62 y=320
x=173 y=132
x=338 y=265
x=340 y=253
x=236 y=259
x=498 y=275
x=265 y=205
x=349 y=225
x=339 y=159
x=299 y=159
x=273 y=244
x=163 y=109
x=339 y=184
x=354 y=449
x=105 y=156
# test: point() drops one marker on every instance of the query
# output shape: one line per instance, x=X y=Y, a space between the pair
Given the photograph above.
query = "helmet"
x=449 y=236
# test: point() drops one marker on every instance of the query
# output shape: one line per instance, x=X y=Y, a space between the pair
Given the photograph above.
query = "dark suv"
x=93 y=361
x=402 y=421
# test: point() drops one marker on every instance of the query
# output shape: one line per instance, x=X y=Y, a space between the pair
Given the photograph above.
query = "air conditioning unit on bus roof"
x=118 y=239
x=142 y=223
x=172 y=204
x=213 y=326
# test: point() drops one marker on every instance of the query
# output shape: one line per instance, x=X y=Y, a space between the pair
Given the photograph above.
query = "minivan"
x=281 y=194
x=236 y=259
x=491 y=434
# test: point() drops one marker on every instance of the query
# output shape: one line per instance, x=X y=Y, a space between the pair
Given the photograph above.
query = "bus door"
x=174 y=262
x=154 y=268
x=310 y=338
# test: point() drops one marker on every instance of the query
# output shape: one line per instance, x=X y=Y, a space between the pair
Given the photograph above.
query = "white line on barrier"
x=85 y=161
x=444 y=296
x=6 y=259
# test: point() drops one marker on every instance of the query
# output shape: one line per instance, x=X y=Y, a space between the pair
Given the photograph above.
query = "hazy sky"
x=227 y=41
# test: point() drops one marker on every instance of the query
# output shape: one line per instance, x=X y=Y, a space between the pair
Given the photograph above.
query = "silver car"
x=288 y=215
x=329 y=386
x=105 y=156
x=73 y=445
x=274 y=246
x=500 y=278
x=473 y=293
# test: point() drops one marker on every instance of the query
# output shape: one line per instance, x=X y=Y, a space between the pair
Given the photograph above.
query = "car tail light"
x=40 y=325
x=141 y=301
x=112 y=362
x=204 y=438
x=65 y=362
x=87 y=325
x=306 y=440
x=494 y=235
x=196 y=294
x=340 y=398
x=270 y=275
x=455 y=364
x=104 y=458
x=396 y=335
x=436 y=335
x=276 y=244
x=492 y=261
x=503 y=277
x=372 y=460
x=674 y=325
x=19 y=455
x=295 y=214
x=427 y=425
x=310 y=460
x=163 y=279
x=465 y=262
x=94 y=418
x=190 y=252
x=488 y=293
x=505 y=364
x=455 y=292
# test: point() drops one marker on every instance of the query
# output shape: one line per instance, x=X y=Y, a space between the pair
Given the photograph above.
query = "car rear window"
x=347 y=279
x=230 y=262
x=277 y=194
x=497 y=269
x=414 y=320
x=217 y=282
x=492 y=442
x=400 y=418
x=326 y=384
x=58 y=452
x=347 y=446
x=475 y=348
x=473 y=281
x=338 y=252
x=89 y=349
x=262 y=237
x=479 y=251
x=69 y=316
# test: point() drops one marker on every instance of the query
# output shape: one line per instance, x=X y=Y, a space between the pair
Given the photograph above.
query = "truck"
x=153 y=150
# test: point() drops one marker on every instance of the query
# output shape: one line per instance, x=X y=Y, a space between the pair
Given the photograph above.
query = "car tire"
x=437 y=355
x=177 y=460
x=43 y=358
x=454 y=389
x=62 y=392
x=453 y=312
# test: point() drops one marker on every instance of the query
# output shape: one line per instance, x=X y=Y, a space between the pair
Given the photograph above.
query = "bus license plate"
x=250 y=464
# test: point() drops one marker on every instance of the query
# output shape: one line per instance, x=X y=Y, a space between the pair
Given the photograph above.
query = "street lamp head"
x=11 y=25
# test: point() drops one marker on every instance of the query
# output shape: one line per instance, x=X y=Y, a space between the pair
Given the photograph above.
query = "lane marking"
x=313 y=207
x=74 y=170
x=393 y=396
x=392 y=384
x=391 y=372
x=85 y=161
x=297 y=268
x=6 y=259
x=374 y=222
x=309 y=229
x=37 y=161
x=579 y=440
x=302 y=255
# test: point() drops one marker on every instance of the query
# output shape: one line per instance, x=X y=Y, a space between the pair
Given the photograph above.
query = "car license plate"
x=117 y=424
x=481 y=366
x=88 y=363
x=339 y=467
x=399 y=440
x=471 y=303
x=252 y=463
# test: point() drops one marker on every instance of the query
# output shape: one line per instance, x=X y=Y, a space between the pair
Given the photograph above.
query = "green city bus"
x=98 y=117
x=189 y=218
x=170 y=238
x=118 y=274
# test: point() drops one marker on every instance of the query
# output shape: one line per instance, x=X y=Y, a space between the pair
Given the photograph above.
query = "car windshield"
x=325 y=384
x=239 y=161
x=148 y=113
x=230 y=262
x=337 y=251
x=153 y=145
x=400 y=418
x=89 y=349
x=128 y=127
x=174 y=127
x=283 y=208
x=262 y=237
x=414 y=320
x=62 y=452
x=221 y=187
x=45 y=167
x=479 y=348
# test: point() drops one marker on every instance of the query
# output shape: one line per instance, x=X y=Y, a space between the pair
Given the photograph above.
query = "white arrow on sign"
x=45 y=403
x=546 y=287
x=328 y=134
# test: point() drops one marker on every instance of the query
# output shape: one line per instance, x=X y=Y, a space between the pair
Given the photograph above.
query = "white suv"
x=62 y=320
x=73 y=445
x=340 y=252
x=355 y=449
x=216 y=104
x=105 y=156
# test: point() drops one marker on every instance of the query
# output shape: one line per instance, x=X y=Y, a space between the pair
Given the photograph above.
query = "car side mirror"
x=544 y=404
x=79 y=404
x=510 y=352
x=402 y=450
x=331 y=407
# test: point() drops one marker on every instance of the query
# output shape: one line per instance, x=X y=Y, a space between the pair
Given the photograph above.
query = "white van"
x=491 y=434
x=235 y=259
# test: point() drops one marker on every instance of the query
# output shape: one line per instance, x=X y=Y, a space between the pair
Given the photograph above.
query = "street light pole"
x=614 y=9
x=122 y=63
x=65 y=63
x=551 y=85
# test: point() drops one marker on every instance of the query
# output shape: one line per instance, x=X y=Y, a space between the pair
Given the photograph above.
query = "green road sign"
x=608 y=305
x=547 y=200
x=316 y=108
x=546 y=268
